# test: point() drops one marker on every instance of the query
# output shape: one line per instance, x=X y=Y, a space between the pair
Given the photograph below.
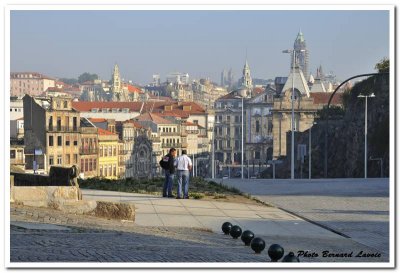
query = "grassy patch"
x=198 y=187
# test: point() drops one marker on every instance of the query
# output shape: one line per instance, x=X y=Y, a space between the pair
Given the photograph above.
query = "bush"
x=196 y=195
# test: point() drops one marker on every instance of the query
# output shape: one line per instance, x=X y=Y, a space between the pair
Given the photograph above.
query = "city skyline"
x=201 y=43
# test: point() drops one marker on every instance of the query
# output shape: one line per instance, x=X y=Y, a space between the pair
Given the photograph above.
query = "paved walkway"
x=262 y=220
x=171 y=230
x=358 y=208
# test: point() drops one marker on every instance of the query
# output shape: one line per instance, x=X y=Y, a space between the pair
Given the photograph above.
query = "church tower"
x=246 y=80
x=116 y=84
x=302 y=54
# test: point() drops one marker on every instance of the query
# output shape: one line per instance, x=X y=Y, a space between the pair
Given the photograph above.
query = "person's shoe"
x=187 y=197
x=171 y=196
x=178 y=197
x=165 y=195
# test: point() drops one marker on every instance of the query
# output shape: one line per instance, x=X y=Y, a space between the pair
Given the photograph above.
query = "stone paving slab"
x=358 y=208
x=117 y=241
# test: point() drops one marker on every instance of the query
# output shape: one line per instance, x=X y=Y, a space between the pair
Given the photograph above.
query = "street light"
x=242 y=132
x=366 y=131
x=292 y=146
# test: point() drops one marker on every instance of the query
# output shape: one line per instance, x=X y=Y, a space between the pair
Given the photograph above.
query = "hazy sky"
x=201 y=43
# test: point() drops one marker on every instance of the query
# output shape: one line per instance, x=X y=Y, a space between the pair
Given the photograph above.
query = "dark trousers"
x=169 y=179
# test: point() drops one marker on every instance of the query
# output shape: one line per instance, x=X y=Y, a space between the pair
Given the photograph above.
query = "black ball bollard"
x=235 y=232
x=247 y=236
x=226 y=228
x=290 y=258
x=257 y=244
x=275 y=252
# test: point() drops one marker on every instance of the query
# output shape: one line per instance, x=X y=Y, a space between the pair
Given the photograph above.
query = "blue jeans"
x=183 y=176
x=169 y=180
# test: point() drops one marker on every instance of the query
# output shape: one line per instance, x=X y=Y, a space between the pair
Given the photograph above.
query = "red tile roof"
x=153 y=117
x=157 y=107
x=323 y=98
x=188 y=123
x=134 y=89
x=135 y=123
x=104 y=132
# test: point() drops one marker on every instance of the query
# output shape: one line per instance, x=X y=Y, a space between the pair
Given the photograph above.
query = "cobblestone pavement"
x=90 y=239
x=358 y=208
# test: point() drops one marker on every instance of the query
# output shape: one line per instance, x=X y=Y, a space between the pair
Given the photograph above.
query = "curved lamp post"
x=327 y=116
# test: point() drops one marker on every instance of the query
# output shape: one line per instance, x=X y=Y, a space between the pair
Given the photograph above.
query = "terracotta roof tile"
x=104 y=132
x=153 y=117
x=323 y=98
x=134 y=89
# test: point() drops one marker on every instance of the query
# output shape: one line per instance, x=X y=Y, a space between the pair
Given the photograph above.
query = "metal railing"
x=88 y=151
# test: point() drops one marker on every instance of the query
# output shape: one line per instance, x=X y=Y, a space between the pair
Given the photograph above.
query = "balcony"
x=195 y=132
x=169 y=133
x=62 y=129
x=87 y=151
x=174 y=145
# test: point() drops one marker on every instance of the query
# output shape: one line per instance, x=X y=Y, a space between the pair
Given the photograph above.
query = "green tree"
x=383 y=65
x=87 y=77
x=70 y=81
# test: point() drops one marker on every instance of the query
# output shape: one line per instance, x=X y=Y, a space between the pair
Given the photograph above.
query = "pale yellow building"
x=108 y=154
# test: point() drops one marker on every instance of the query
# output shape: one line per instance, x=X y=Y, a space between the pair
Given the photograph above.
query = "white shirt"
x=183 y=162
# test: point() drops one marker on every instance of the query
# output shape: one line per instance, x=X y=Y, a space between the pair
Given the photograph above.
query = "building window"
x=101 y=170
x=75 y=124
x=257 y=126
x=59 y=140
x=115 y=151
x=75 y=158
x=115 y=170
x=68 y=159
x=94 y=164
x=90 y=165
x=12 y=153
x=101 y=151
x=51 y=141
x=75 y=143
x=228 y=118
x=257 y=155
x=86 y=165
x=67 y=123
x=59 y=160
x=82 y=166
x=50 y=123
x=67 y=141
x=65 y=104
x=51 y=160
x=109 y=170
x=58 y=123
x=236 y=119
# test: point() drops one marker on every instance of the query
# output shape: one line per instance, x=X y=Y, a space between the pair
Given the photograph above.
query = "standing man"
x=168 y=164
x=184 y=165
